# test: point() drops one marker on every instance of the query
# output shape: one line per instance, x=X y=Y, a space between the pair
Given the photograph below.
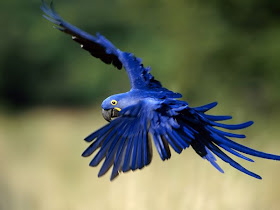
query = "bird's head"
x=112 y=105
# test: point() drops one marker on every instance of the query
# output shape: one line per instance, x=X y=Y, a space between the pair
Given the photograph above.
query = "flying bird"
x=149 y=112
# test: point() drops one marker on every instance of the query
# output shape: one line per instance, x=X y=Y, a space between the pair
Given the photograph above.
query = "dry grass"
x=41 y=169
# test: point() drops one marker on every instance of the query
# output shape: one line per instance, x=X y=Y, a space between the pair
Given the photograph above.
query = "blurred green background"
x=51 y=91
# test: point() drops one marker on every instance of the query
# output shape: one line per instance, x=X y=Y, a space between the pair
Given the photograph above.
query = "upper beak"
x=108 y=114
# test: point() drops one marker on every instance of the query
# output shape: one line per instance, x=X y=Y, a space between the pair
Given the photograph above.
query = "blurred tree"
x=216 y=50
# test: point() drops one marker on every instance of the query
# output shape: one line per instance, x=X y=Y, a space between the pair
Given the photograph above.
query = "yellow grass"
x=41 y=169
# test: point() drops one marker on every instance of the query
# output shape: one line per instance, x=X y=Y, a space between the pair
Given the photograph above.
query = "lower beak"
x=108 y=114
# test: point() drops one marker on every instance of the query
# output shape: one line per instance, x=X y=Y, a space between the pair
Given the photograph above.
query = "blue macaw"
x=149 y=111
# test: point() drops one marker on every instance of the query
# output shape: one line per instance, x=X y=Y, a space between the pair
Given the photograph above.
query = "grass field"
x=42 y=169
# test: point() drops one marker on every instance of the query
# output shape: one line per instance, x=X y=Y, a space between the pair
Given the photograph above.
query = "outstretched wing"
x=100 y=47
x=125 y=142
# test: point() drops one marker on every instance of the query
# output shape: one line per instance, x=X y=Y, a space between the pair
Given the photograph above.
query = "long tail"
x=208 y=140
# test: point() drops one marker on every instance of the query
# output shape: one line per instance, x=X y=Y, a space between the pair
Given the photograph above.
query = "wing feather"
x=118 y=163
x=100 y=47
x=126 y=145
x=110 y=157
x=127 y=158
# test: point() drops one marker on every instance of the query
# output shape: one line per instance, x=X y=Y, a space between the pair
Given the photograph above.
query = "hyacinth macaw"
x=149 y=111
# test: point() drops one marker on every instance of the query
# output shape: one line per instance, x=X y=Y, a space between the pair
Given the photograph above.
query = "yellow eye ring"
x=114 y=102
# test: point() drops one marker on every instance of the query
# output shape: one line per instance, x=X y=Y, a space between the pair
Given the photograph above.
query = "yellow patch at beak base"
x=117 y=108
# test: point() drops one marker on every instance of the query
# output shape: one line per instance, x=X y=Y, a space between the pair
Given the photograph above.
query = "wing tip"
x=50 y=13
x=114 y=175
x=256 y=176
x=85 y=154
x=93 y=163
x=250 y=123
x=88 y=138
x=91 y=137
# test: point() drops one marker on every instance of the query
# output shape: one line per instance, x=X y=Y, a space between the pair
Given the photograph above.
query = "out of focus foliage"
x=224 y=50
x=207 y=50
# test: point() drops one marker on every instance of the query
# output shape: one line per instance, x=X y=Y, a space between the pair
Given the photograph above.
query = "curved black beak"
x=108 y=114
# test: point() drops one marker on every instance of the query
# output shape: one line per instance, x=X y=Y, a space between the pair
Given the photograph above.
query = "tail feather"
x=211 y=158
x=235 y=153
x=206 y=107
x=227 y=159
x=208 y=140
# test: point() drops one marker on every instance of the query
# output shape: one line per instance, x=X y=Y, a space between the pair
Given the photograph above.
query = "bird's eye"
x=114 y=102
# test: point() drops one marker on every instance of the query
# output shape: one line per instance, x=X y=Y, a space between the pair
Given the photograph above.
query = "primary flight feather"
x=151 y=112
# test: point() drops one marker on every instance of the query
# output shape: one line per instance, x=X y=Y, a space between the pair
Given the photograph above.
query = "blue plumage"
x=149 y=111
